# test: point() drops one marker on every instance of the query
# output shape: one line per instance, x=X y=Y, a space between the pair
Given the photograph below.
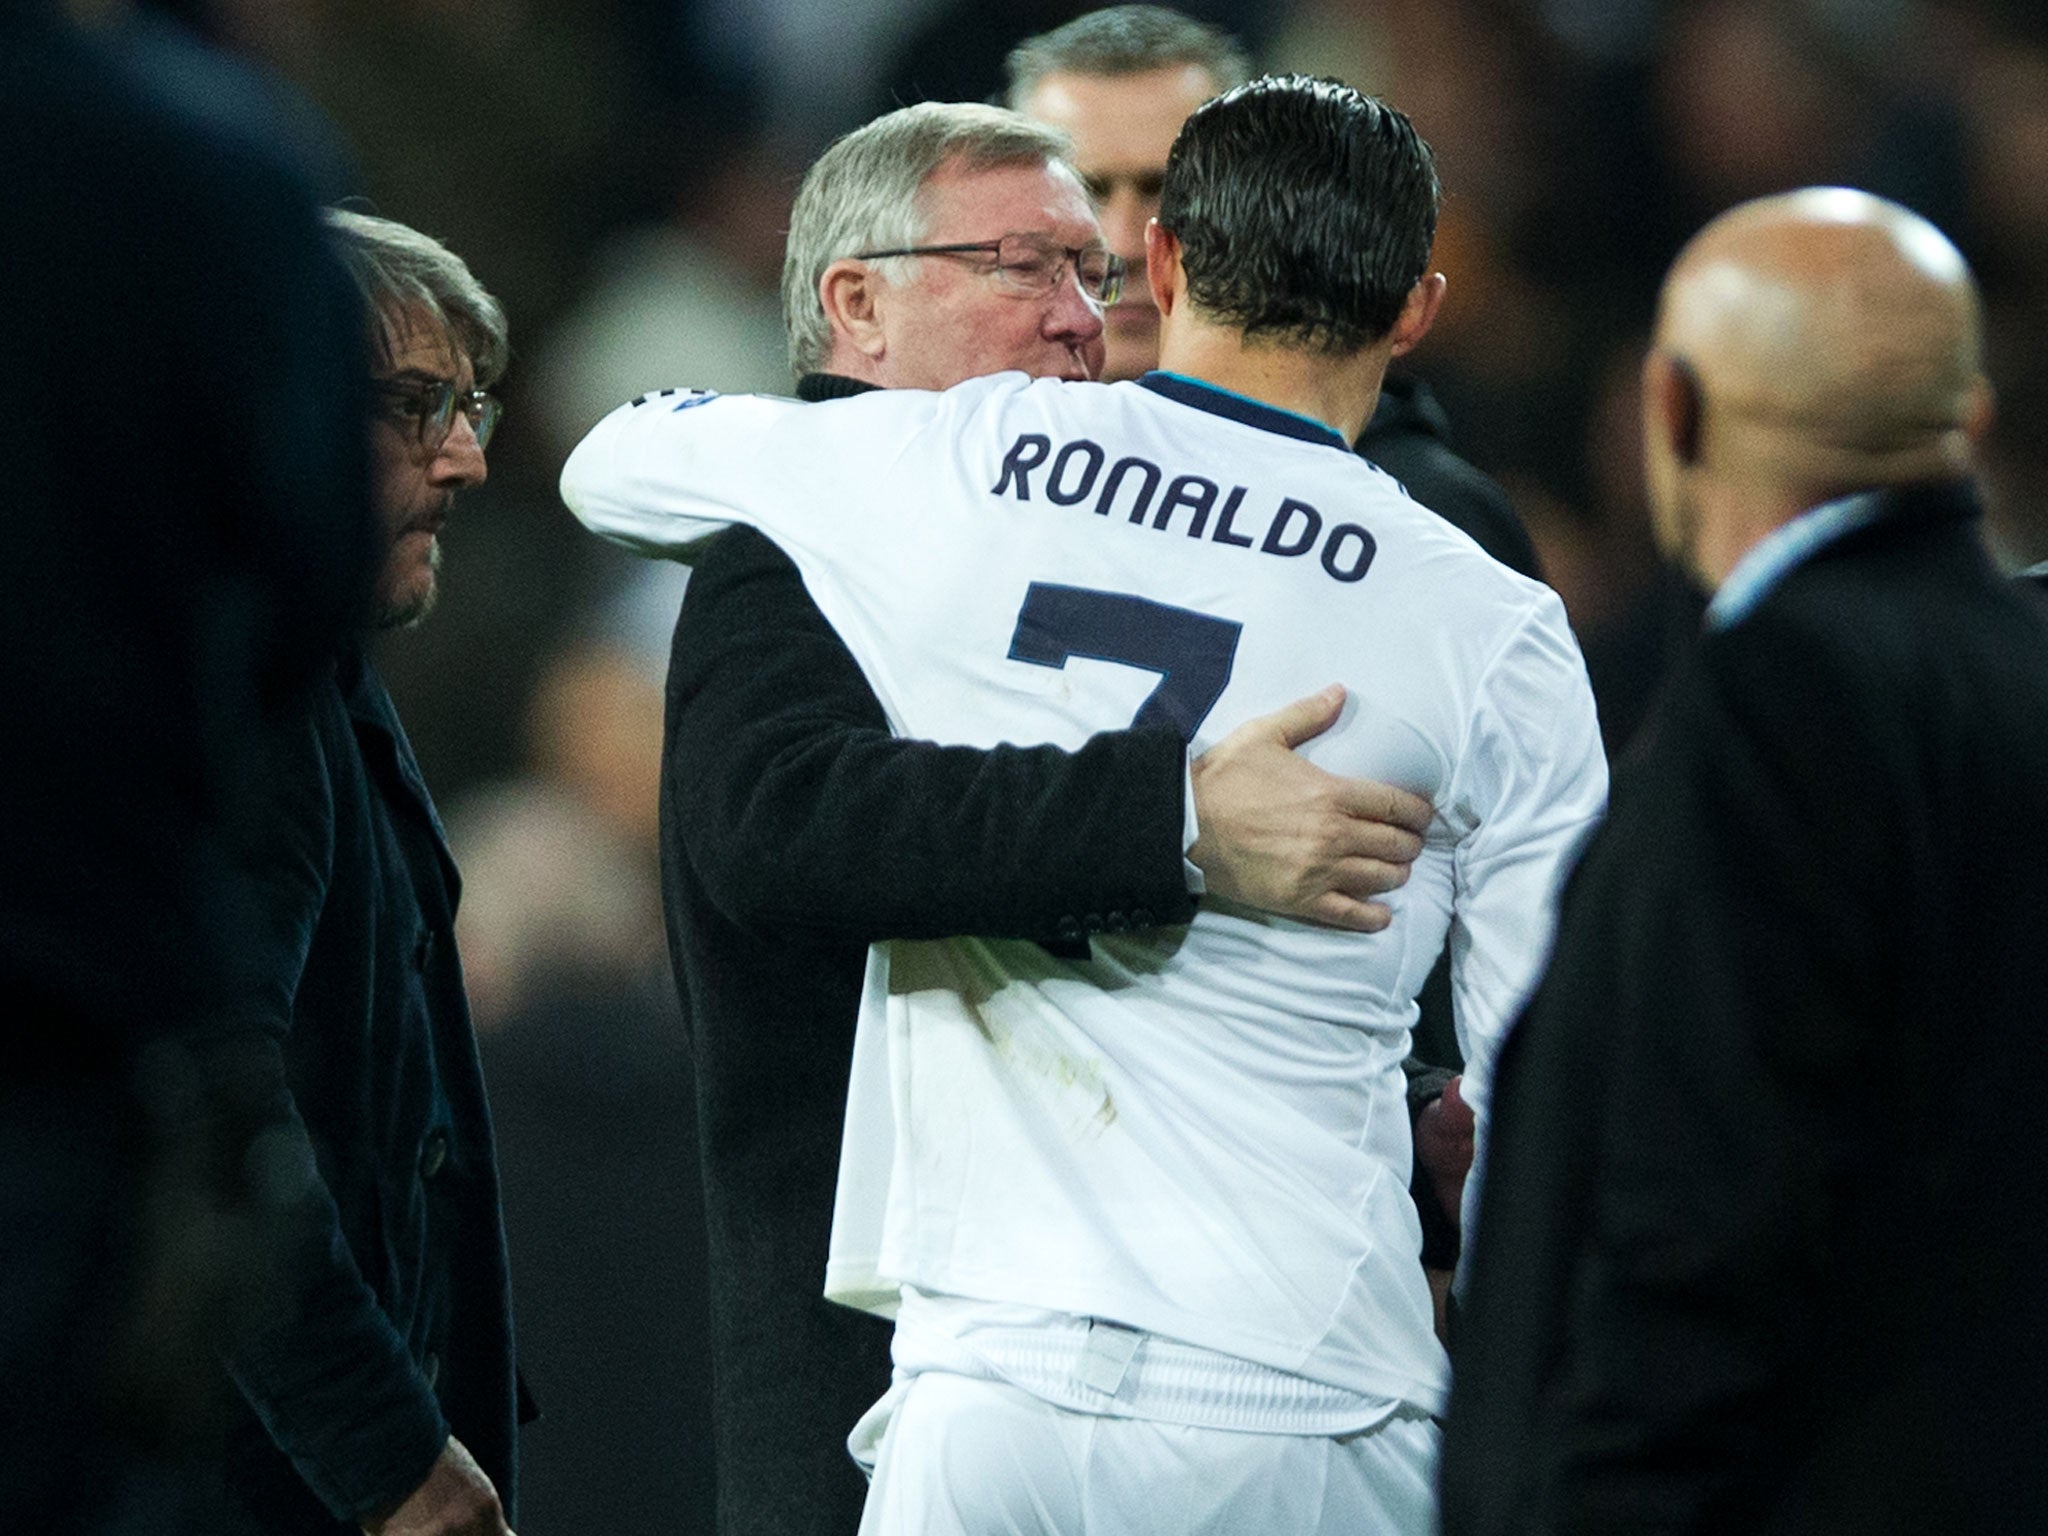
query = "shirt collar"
x=830 y=386
x=1253 y=413
x=1784 y=549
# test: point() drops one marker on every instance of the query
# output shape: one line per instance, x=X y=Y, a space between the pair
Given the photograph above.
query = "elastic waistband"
x=1092 y=1366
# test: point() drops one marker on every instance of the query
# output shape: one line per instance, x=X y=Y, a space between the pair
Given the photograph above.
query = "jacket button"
x=433 y=1154
x=1141 y=917
x=431 y=1368
x=1116 y=922
x=423 y=949
x=1069 y=929
x=1093 y=922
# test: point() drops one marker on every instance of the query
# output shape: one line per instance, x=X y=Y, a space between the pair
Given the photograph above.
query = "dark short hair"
x=1304 y=210
x=1125 y=40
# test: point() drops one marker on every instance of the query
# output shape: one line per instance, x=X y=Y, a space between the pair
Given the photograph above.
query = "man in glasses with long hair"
x=378 y=1382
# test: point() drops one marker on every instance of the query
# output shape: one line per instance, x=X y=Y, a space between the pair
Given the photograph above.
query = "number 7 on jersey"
x=1192 y=652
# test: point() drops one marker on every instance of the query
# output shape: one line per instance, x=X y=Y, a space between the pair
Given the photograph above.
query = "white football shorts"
x=966 y=1457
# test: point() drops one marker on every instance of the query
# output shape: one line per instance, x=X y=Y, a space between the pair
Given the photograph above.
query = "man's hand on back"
x=456 y=1499
x=1277 y=833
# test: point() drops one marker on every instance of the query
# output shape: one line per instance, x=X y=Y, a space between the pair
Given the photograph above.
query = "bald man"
x=1786 y=1275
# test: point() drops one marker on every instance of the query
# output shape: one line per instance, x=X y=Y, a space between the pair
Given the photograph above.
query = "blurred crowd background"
x=619 y=172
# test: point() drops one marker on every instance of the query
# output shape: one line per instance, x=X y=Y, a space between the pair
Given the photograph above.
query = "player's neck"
x=1340 y=392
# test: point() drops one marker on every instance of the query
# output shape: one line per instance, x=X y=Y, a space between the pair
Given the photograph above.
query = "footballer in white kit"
x=1165 y=1183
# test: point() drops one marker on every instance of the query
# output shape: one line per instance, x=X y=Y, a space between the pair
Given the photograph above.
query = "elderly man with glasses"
x=938 y=243
x=996 y=261
x=378 y=1384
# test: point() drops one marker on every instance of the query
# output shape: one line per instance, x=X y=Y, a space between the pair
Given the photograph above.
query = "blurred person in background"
x=187 y=534
x=2006 y=110
x=562 y=949
x=1754 y=1256
x=379 y=1381
x=772 y=901
x=558 y=860
x=692 y=294
x=1119 y=83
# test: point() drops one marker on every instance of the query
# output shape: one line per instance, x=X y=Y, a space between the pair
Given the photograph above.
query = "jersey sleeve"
x=1533 y=778
x=664 y=473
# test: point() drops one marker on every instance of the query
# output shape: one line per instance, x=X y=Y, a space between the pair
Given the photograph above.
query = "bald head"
x=1808 y=345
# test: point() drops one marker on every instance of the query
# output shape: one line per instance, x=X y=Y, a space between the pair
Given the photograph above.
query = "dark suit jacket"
x=794 y=831
x=1410 y=438
x=1760 y=1246
x=390 y=1324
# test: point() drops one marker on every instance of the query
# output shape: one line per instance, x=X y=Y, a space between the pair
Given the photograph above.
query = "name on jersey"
x=1080 y=472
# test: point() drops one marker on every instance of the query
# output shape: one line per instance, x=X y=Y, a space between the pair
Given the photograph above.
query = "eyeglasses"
x=430 y=406
x=1033 y=263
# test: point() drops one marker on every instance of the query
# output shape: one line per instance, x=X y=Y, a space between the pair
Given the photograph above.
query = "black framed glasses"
x=430 y=406
x=1033 y=263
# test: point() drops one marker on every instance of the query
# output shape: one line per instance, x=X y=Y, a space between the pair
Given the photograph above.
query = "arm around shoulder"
x=798 y=808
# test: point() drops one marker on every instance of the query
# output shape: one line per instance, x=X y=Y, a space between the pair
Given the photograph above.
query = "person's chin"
x=1127 y=314
x=402 y=602
x=404 y=610
x=1137 y=322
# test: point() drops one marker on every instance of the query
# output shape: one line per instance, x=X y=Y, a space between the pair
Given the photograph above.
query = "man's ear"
x=1418 y=312
x=851 y=293
x=1163 y=273
x=1672 y=404
x=1980 y=411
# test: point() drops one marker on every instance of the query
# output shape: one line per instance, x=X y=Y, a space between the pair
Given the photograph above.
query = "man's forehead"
x=981 y=202
x=417 y=341
x=1122 y=123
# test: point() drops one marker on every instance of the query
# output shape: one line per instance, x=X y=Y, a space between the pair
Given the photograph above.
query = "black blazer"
x=1760 y=1246
x=390 y=1324
x=1409 y=437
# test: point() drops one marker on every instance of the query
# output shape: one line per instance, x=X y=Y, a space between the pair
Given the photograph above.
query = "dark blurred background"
x=619 y=173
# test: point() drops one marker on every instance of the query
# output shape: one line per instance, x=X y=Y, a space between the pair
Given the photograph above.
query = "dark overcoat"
x=1759 y=1248
x=392 y=1324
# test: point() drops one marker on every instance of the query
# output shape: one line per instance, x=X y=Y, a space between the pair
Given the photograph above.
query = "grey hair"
x=401 y=272
x=866 y=193
x=1126 y=40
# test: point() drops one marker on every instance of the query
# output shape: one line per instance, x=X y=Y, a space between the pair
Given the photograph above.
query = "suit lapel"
x=388 y=753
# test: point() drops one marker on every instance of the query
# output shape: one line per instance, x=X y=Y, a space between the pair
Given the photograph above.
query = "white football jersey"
x=1200 y=1132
